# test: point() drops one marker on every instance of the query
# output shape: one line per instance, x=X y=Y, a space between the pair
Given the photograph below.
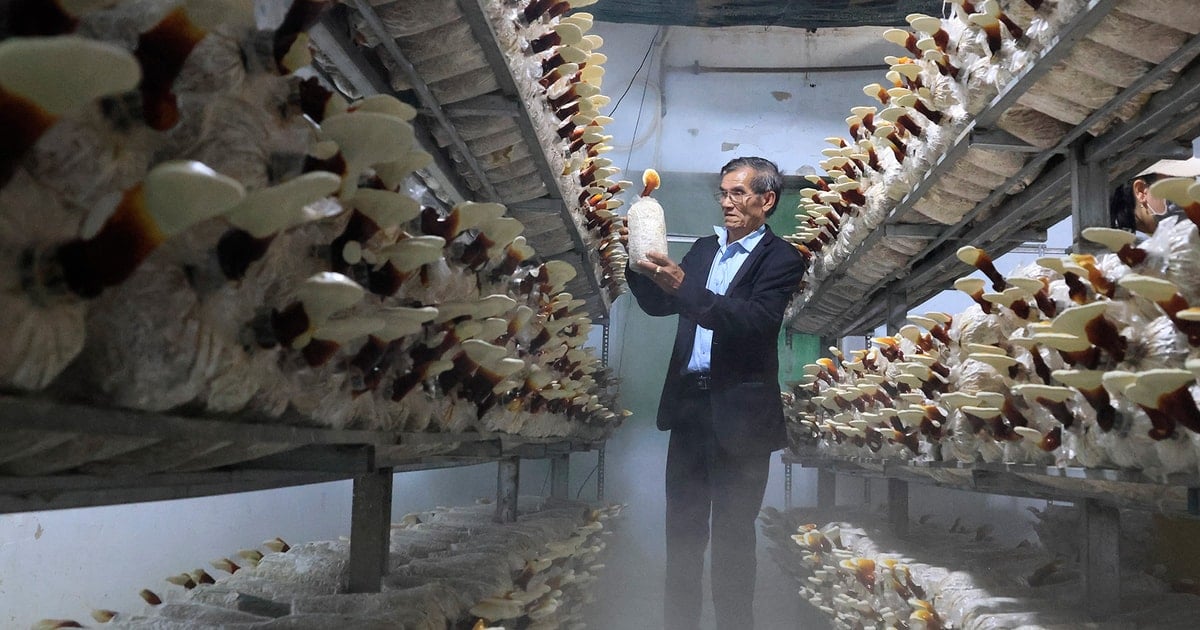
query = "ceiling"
x=810 y=14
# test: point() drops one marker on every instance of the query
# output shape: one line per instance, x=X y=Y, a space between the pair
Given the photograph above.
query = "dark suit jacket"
x=747 y=411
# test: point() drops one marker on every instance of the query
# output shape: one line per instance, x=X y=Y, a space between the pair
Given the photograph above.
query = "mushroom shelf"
x=1002 y=120
x=195 y=233
x=1082 y=361
x=1176 y=494
x=447 y=568
x=848 y=565
x=59 y=455
x=508 y=96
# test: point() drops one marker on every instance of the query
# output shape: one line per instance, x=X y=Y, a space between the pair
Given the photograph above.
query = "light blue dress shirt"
x=725 y=266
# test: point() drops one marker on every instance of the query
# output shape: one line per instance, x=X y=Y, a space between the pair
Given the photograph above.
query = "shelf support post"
x=508 y=484
x=370 y=530
x=898 y=506
x=787 y=485
x=827 y=342
x=600 y=472
x=826 y=488
x=897 y=311
x=1089 y=197
x=1102 y=566
x=560 y=476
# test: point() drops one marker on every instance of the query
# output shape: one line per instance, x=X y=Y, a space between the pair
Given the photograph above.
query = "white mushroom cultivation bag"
x=647 y=224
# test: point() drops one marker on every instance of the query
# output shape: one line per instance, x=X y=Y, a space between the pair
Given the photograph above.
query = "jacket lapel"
x=751 y=260
x=706 y=252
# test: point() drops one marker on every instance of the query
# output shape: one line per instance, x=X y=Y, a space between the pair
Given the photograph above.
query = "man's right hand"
x=663 y=271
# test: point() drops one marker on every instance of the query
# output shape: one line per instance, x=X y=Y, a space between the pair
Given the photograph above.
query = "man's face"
x=743 y=209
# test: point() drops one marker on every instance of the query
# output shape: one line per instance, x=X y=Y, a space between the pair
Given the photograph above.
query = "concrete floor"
x=630 y=590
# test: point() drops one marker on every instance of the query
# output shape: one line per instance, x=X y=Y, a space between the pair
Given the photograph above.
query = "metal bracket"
x=485 y=105
x=335 y=458
x=1165 y=151
x=911 y=230
x=999 y=140
x=541 y=204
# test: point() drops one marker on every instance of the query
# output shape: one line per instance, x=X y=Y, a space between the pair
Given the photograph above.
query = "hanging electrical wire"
x=635 y=74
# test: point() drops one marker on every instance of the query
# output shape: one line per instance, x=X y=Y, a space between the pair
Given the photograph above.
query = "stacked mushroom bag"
x=952 y=69
x=1086 y=360
x=558 y=70
x=449 y=567
x=861 y=576
x=293 y=274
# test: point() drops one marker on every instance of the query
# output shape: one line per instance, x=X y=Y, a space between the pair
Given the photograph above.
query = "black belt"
x=698 y=380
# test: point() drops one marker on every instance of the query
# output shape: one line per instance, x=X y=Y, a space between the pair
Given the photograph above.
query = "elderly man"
x=721 y=398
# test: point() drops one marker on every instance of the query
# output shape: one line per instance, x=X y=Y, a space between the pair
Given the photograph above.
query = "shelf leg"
x=560 y=471
x=828 y=342
x=1089 y=198
x=600 y=471
x=508 y=484
x=826 y=488
x=370 y=530
x=897 y=311
x=1102 y=567
x=898 y=506
x=787 y=486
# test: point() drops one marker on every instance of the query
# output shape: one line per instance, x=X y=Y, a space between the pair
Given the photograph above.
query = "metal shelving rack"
x=1100 y=494
x=1071 y=180
x=247 y=453
x=551 y=229
x=297 y=456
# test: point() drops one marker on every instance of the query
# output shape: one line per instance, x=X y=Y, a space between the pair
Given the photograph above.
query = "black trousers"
x=703 y=481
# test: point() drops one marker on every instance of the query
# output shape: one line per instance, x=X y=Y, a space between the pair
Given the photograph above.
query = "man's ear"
x=769 y=201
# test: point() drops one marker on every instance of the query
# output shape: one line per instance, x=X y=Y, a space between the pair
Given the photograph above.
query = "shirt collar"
x=747 y=242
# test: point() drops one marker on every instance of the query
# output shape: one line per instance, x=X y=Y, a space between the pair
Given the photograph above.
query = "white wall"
x=686 y=121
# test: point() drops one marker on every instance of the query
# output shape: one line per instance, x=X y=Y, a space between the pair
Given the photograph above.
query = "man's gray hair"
x=766 y=176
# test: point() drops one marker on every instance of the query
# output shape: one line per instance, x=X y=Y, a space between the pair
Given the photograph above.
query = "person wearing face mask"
x=720 y=399
x=1132 y=207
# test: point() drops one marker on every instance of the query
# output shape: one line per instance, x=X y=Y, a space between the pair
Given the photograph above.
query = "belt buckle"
x=703 y=381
